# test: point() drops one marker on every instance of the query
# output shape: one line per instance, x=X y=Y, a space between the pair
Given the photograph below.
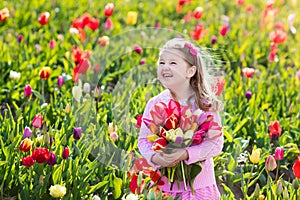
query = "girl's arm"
x=144 y=145
x=208 y=148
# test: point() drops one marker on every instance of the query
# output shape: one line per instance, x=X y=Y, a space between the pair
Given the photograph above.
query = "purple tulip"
x=52 y=159
x=77 y=133
x=248 y=95
x=179 y=140
x=27 y=132
x=214 y=39
x=20 y=38
x=142 y=61
x=27 y=90
x=60 y=81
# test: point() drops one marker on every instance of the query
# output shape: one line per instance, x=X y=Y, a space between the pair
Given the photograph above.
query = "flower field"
x=76 y=76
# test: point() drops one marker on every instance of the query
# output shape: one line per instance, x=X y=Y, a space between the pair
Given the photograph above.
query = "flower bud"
x=27 y=90
x=255 y=156
x=65 y=153
x=77 y=133
x=270 y=163
x=60 y=81
x=248 y=95
x=279 y=153
x=256 y=191
x=52 y=159
x=295 y=184
x=286 y=194
x=113 y=136
x=27 y=132
x=86 y=88
x=279 y=188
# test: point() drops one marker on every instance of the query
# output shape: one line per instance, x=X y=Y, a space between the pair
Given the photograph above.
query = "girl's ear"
x=191 y=71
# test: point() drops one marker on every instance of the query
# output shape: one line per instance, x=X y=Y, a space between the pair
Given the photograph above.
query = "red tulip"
x=44 y=18
x=199 y=32
x=171 y=122
x=66 y=153
x=139 y=121
x=25 y=145
x=296 y=167
x=4 y=14
x=28 y=161
x=174 y=108
x=41 y=155
x=273 y=52
x=198 y=13
x=223 y=30
x=159 y=144
x=93 y=23
x=138 y=49
x=207 y=123
x=45 y=73
x=248 y=72
x=218 y=86
x=133 y=185
x=109 y=9
x=240 y=2
x=37 y=121
x=140 y=165
x=249 y=8
x=275 y=130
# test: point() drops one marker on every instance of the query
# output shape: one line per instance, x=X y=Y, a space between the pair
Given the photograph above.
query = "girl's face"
x=173 y=71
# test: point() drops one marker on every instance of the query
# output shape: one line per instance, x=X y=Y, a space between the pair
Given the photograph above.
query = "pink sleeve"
x=144 y=145
x=208 y=148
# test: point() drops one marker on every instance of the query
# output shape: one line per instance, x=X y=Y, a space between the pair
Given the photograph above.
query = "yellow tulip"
x=131 y=17
x=57 y=191
x=152 y=137
x=255 y=156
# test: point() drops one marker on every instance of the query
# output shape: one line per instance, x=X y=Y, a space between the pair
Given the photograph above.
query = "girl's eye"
x=161 y=63
x=173 y=63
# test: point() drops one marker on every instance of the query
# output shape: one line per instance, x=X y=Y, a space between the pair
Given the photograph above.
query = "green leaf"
x=240 y=125
x=97 y=186
x=117 y=187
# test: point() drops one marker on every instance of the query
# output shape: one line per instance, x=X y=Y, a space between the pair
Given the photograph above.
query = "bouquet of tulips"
x=175 y=126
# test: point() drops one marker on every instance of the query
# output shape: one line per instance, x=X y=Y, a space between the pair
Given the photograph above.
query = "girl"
x=181 y=69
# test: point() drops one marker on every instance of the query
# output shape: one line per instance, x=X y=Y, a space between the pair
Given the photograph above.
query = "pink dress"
x=205 y=183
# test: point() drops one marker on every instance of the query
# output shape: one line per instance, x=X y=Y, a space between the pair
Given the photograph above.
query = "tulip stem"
x=183 y=175
x=43 y=85
x=277 y=170
x=252 y=168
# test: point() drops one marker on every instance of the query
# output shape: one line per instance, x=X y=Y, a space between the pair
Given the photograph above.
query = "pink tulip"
x=185 y=123
x=156 y=117
x=138 y=49
x=27 y=90
x=198 y=137
x=113 y=136
x=298 y=74
x=52 y=44
x=270 y=163
x=215 y=131
x=279 y=153
x=108 y=24
x=37 y=121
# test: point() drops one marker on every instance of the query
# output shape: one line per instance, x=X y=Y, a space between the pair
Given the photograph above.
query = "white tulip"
x=77 y=93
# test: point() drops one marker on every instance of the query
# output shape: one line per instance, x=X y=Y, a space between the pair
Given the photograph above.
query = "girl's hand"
x=175 y=157
x=159 y=159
